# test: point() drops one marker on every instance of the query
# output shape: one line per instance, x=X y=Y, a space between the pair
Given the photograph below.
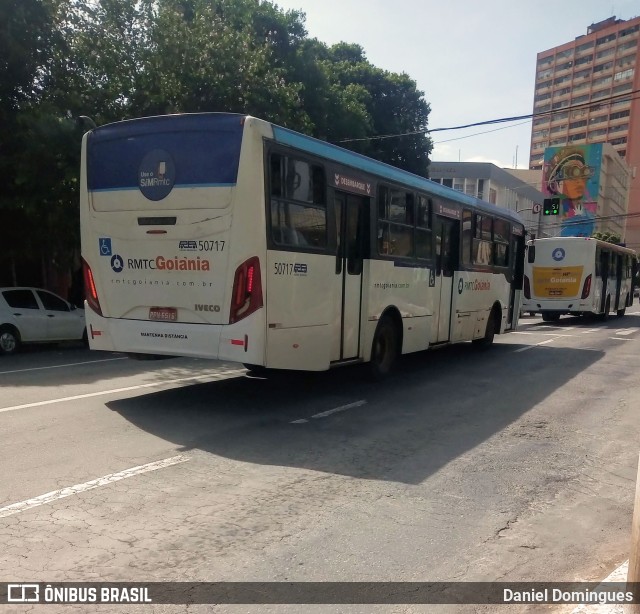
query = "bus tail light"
x=527 y=288
x=247 y=290
x=586 y=288
x=91 y=294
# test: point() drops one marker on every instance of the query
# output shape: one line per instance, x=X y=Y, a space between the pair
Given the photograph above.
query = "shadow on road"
x=437 y=406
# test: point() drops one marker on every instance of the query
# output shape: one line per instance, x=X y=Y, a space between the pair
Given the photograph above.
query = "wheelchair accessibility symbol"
x=105 y=246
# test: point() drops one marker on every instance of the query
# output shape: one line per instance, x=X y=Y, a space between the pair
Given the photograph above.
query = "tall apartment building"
x=587 y=91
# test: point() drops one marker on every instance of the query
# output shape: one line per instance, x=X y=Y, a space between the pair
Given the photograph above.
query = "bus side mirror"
x=531 y=254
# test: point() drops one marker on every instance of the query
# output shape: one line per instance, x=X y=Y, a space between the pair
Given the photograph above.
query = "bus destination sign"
x=351 y=184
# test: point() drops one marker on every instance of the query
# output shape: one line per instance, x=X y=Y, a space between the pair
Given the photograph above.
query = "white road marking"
x=193 y=378
x=590 y=330
x=69 y=364
x=54 y=495
x=556 y=335
x=335 y=410
x=621 y=339
x=520 y=332
x=530 y=347
x=617 y=575
x=626 y=331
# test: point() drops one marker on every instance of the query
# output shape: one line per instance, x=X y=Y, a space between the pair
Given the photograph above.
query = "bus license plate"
x=166 y=314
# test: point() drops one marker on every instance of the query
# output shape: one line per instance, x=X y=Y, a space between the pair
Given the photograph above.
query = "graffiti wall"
x=572 y=174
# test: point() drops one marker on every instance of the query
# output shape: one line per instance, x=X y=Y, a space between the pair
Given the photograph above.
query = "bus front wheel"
x=385 y=349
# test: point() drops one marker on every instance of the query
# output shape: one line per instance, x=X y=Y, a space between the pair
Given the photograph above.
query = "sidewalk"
x=619 y=575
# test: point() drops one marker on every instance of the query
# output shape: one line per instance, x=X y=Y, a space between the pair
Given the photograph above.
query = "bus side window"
x=395 y=222
x=298 y=203
x=467 y=236
x=501 y=232
x=482 y=242
x=423 y=227
x=276 y=169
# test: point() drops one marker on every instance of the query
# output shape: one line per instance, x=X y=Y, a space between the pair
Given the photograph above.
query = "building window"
x=625 y=74
x=584 y=46
x=622 y=88
x=605 y=39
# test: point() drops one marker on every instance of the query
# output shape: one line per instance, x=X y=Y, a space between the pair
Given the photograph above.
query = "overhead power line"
x=501 y=120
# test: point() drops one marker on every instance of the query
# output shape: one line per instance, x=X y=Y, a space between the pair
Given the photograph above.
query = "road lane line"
x=335 y=410
x=530 y=347
x=621 y=339
x=626 y=331
x=69 y=364
x=55 y=495
x=193 y=378
x=329 y=412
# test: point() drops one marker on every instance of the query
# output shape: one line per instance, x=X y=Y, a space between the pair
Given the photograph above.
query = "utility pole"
x=633 y=573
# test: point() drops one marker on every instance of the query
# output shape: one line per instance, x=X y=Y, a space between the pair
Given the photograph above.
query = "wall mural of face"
x=569 y=174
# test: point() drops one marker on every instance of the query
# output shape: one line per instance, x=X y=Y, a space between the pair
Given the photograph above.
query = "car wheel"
x=9 y=340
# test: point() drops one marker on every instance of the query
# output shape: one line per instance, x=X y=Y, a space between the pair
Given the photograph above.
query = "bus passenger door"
x=349 y=210
x=446 y=236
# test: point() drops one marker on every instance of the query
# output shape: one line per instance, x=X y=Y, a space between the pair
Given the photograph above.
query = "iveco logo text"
x=215 y=308
x=160 y=263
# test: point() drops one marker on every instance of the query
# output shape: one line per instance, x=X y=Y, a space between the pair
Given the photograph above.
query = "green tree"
x=610 y=237
x=398 y=112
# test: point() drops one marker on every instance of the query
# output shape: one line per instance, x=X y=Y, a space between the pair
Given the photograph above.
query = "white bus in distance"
x=224 y=236
x=578 y=276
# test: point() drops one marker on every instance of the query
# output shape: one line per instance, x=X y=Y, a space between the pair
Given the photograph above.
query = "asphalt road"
x=515 y=464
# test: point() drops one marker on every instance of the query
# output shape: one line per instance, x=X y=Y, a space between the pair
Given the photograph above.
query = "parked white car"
x=32 y=315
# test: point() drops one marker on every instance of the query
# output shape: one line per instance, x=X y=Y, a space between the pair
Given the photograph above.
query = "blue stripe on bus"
x=175 y=187
x=358 y=161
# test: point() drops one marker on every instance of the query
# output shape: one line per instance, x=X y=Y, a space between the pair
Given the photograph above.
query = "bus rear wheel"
x=604 y=316
x=256 y=370
x=490 y=332
x=385 y=349
x=621 y=312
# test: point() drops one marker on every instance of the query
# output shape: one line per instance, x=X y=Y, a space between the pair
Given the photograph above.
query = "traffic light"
x=551 y=206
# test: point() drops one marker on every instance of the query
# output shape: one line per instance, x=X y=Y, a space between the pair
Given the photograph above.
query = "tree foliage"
x=610 y=237
x=117 y=59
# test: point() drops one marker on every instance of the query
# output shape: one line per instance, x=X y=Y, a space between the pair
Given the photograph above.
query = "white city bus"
x=578 y=275
x=224 y=236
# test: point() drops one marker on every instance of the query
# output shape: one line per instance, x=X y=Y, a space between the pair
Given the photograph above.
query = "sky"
x=474 y=60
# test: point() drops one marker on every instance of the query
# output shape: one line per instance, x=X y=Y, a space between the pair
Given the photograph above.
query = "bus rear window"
x=203 y=149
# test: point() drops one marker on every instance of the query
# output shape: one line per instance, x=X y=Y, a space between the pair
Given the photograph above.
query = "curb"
x=618 y=575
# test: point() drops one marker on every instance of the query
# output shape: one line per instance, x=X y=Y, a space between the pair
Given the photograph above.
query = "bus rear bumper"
x=222 y=342
x=565 y=306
